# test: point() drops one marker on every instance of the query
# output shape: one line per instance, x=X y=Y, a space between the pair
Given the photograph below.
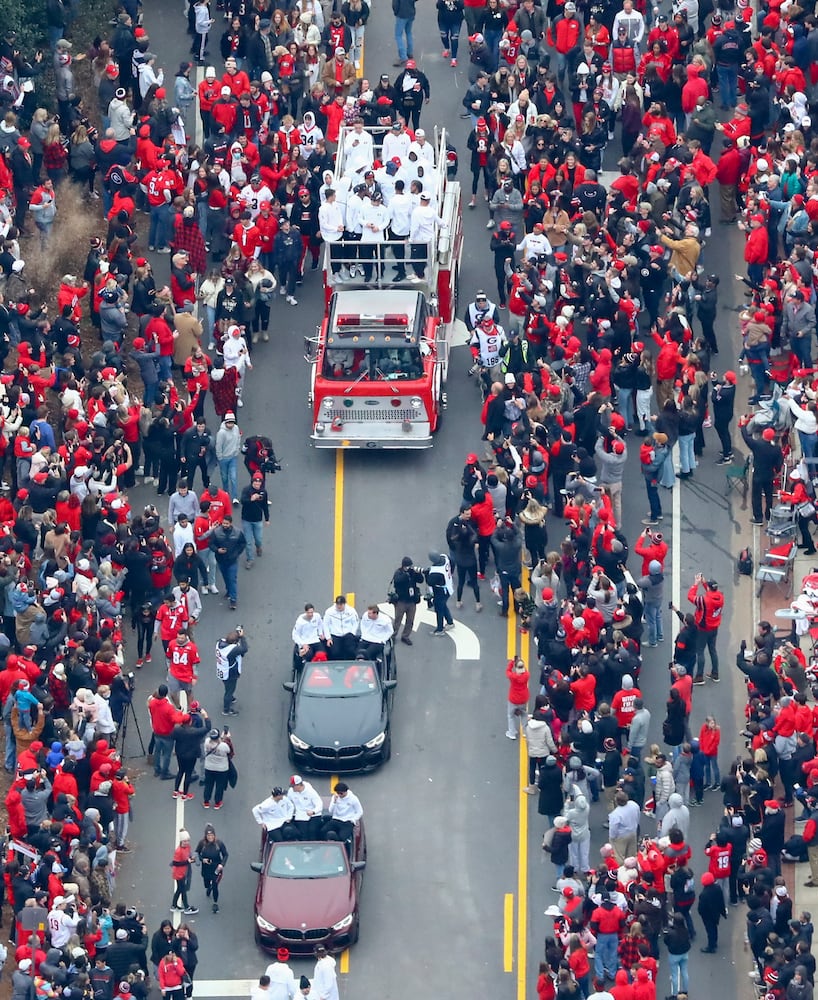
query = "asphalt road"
x=455 y=885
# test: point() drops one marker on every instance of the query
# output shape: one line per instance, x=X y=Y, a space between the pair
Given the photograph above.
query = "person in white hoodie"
x=577 y=815
x=148 y=76
x=539 y=741
x=236 y=355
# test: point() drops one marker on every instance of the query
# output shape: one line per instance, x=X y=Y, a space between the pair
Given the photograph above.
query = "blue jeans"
x=158 y=233
x=165 y=366
x=605 y=959
x=228 y=470
x=253 y=536
x=441 y=608
x=711 y=767
x=759 y=373
x=403 y=36
x=10 y=762
x=653 y=617
x=678 y=973
x=653 y=498
x=802 y=349
x=230 y=575
x=624 y=403
x=809 y=442
x=728 y=85
x=162 y=752
x=687 y=460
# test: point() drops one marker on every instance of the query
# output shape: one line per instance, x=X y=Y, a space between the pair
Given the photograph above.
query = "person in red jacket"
x=247 y=237
x=667 y=364
x=708 y=601
x=728 y=173
x=171 y=969
x=517 y=706
x=485 y=523
x=122 y=791
x=709 y=739
x=757 y=249
x=209 y=90
x=164 y=716
x=183 y=658
x=567 y=33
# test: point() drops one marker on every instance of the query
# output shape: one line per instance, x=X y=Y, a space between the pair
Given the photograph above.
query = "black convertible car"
x=340 y=712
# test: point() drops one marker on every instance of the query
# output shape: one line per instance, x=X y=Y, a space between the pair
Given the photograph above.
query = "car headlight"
x=329 y=403
x=343 y=924
x=264 y=925
x=320 y=428
x=416 y=402
x=297 y=743
x=373 y=744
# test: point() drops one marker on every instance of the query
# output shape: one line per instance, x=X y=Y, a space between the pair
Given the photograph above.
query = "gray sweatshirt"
x=611 y=467
x=638 y=735
x=228 y=442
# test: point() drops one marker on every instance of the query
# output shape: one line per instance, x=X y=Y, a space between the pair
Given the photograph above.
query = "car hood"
x=339 y=721
x=313 y=902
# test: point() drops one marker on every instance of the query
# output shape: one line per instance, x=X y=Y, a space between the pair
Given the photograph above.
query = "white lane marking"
x=466 y=642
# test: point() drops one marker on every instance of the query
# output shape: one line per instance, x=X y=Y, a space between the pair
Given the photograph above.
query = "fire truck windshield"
x=373 y=363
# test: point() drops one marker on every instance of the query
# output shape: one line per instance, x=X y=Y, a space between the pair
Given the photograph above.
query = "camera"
x=271 y=465
x=130 y=680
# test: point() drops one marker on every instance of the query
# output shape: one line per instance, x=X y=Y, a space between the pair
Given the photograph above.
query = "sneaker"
x=406 y=639
x=725 y=460
x=206 y=805
x=214 y=589
x=481 y=576
x=175 y=909
x=148 y=658
x=490 y=224
x=292 y=300
x=448 y=626
x=756 y=520
x=176 y=794
x=459 y=604
x=698 y=680
x=248 y=563
x=713 y=677
x=649 y=521
x=211 y=346
x=530 y=789
x=232 y=605
x=139 y=662
x=231 y=711
x=473 y=203
x=478 y=606
x=123 y=848
x=437 y=632
x=188 y=796
x=163 y=250
x=154 y=249
x=218 y=805
x=445 y=53
x=453 y=63
x=215 y=907
x=511 y=736
x=191 y=909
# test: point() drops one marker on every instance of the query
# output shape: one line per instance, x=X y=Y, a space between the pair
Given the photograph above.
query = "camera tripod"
x=123 y=730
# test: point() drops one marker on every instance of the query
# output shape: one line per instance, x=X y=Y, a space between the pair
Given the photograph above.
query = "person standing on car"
x=230 y=652
x=212 y=855
x=404 y=597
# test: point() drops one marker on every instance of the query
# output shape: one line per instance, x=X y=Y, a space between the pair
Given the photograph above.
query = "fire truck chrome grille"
x=390 y=414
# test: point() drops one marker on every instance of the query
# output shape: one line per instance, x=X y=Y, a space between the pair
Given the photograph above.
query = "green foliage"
x=28 y=20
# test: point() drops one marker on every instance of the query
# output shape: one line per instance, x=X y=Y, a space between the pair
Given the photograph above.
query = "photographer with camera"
x=230 y=652
x=404 y=596
x=259 y=455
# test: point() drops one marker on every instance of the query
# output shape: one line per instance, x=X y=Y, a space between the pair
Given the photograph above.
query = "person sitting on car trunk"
x=376 y=631
x=345 y=811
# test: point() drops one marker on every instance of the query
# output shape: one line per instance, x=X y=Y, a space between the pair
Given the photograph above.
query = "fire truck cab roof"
x=393 y=317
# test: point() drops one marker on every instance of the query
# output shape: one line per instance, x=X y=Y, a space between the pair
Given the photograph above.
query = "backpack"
x=744 y=563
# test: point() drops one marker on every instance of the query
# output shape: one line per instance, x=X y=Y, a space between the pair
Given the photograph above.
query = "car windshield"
x=297 y=860
x=391 y=363
x=339 y=680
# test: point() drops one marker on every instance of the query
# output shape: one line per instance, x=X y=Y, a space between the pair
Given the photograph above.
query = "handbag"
x=805 y=509
x=392 y=594
x=232 y=774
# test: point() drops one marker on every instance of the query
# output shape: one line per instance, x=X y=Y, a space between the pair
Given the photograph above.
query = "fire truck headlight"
x=320 y=428
x=329 y=403
x=416 y=403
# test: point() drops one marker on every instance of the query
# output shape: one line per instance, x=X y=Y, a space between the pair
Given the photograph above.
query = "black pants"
x=712 y=929
x=215 y=783
x=211 y=881
x=335 y=251
x=723 y=431
x=180 y=892
x=708 y=332
x=500 y=274
x=337 y=829
x=707 y=640
x=285 y=832
x=370 y=650
x=419 y=252
x=368 y=253
x=483 y=550
x=190 y=472
x=307 y=829
x=343 y=647
x=144 y=637
x=229 y=691
x=759 y=488
x=399 y=253
x=186 y=766
x=287 y=274
x=467 y=576
x=475 y=179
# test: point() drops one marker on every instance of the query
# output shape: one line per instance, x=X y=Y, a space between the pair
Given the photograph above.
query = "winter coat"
x=539 y=739
x=577 y=816
x=711 y=905
x=551 y=798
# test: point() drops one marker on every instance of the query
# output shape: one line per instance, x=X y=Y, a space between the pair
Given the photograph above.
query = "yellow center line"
x=337 y=583
x=522 y=845
x=338 y=560
x=508 y=932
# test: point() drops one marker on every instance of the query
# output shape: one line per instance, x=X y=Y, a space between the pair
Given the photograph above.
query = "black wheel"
x=355 y=933
x=387 y=748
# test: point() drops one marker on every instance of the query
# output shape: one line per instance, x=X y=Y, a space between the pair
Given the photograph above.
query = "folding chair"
x=776 y=567
x=738 y=476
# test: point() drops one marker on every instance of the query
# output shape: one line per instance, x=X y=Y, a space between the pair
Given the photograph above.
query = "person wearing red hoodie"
x=709 y=739
x=695 y=87
x=756 y=249
x=518 y=694
x=667 y=364
x=622 y=988
x=485 y=523
x=600 y=376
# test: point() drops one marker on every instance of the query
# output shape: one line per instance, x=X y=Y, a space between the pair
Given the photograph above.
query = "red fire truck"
x=379 y=361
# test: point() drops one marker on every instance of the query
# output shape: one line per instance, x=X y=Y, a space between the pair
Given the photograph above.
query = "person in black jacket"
x=723 y=400
x=551 y=798
x=254 y=509
x=286 y=255
x=405 y=589
x=767 y=459
x=228 y=543
x=187 y=744
x=461 y=537
x=711 y=909
x=706 y=298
